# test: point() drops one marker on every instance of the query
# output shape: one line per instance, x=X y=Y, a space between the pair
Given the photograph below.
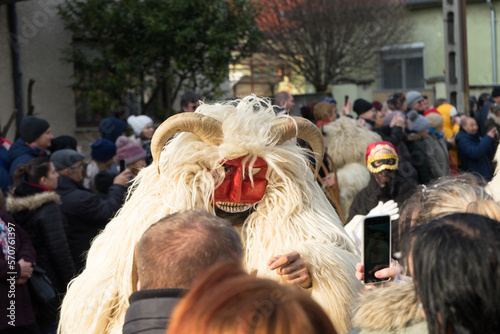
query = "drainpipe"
x=493 y=41
x=16 y=63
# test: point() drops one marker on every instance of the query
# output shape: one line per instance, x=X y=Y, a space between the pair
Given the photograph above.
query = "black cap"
x=495 y=92
x=32 y=128
x=361 y=106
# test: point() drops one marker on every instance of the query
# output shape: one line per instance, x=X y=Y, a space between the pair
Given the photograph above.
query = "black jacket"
x=150 y=310
x=38 y=213
x=86 y=214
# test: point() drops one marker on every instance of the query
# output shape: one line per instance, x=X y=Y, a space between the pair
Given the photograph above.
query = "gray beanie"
x=418 y=122
x=413 y=97
x=32 y=128
x=63 y=159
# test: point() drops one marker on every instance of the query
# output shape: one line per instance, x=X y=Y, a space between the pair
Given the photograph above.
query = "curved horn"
x=286 y=129
x=207 y=128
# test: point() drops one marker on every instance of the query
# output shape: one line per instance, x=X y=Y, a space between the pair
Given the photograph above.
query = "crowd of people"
x=193 y=271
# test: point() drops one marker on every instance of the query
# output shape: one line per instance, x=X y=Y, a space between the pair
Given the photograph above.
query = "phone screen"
x=376 y=246
x=122 y=165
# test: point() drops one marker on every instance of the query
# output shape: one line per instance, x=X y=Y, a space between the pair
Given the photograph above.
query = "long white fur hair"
x=346 y=144
x=294 y=214
x=493 y=188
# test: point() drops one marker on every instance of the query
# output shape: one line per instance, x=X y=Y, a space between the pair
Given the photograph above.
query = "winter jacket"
x=86 y=214
x=418 y=157
x=24 y=249
x=38 y=212
x=450 y=131
x=5 y=178
x=481 y=117
x=21 y=153
x=473 y=153
x=438 y=157
x=391 y=310
x=150 y=310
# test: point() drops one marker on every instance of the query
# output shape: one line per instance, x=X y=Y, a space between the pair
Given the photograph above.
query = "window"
x=402 y=67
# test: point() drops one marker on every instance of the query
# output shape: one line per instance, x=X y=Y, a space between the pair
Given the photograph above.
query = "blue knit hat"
x=102 y=150
x=111 y=128
x=32 y=128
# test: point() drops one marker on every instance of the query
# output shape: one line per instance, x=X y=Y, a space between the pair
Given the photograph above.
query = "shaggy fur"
x=387 y=309
x=347 y=142
x=33 y=202
x=493 y=188
x=293 y=215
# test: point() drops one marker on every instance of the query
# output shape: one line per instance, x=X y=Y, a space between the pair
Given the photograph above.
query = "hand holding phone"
x=376 y=248
x=123 y=166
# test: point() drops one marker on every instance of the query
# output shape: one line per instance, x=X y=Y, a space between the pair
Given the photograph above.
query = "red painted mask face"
x=236 y=193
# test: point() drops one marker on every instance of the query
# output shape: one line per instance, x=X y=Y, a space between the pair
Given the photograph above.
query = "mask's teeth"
x=233 y=207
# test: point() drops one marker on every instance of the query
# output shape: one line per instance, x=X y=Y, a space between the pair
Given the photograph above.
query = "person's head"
x=382 y=161
x=189 y=101
x=495 y=94
x=415 y=101
x=440 y=101
x=37 y=171
x=435 y=121
x=397 y=101
x=364 y=109
x=324 y=111
x=285 y=100
x=380 y=118
x=454 y=263
x=473 y=105
x=62 y=142
x=36 y=131
x=133 y=154
x=176 y=249
x=142 y=126
x=483 y=98
x=69 y=163
x=495 y=109
x=102 y=150
x=418 y=123
x=469 y=125
x=225 y=299
x=442 y=197
x=425 y=102
x=111 y=128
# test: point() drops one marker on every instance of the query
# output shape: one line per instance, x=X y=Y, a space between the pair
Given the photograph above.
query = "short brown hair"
x=176 y=249
x=225 y=299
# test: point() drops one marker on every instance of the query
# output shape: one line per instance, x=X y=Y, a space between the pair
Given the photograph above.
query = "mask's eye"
x=377 y=163
x=227 y=169
x=255 y=170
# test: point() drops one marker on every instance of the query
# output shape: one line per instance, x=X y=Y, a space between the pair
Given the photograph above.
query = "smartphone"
x=122 y=165
x=346 y=98
x=376 y=248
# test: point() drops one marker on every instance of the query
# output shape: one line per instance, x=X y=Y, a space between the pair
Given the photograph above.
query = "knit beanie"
x=129 y=151
x=361 y=106
x=32 y=128
x=413 y=97
x=102 y=150
x=111 y=128
x=63 y=159
x=418 y=122
x=435 y=120
x=390 y=116
x=62 y=142
x=138 y=123
x=495 y=92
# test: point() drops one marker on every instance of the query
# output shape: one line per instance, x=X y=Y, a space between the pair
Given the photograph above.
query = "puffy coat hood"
x=32 y=202
x=387 y=309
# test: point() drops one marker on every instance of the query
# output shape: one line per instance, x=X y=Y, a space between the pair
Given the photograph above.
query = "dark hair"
x=396 y=100
x=439 y=102
x=483 y=98
x=456 y=272
x=33 y=171
x=187 y=97
x=176 y=249
x=225 y=299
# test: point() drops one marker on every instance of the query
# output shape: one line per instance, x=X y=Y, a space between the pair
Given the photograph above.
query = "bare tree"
x=327 y=40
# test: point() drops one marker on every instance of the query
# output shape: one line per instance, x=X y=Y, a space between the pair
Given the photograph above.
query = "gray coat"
x=438 y=156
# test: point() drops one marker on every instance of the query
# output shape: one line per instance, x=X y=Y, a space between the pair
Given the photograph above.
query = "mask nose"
x=235 y=192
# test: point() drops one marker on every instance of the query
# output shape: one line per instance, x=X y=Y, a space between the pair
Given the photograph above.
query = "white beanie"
x=138 y=123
